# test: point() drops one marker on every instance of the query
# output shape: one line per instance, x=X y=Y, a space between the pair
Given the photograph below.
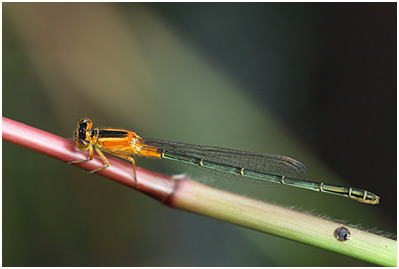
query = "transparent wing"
x=259 y=162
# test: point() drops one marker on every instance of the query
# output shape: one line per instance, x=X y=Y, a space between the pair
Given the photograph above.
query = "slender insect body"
x=242 y=165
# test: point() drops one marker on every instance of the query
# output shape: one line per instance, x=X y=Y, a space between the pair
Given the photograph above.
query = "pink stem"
x=156 y=185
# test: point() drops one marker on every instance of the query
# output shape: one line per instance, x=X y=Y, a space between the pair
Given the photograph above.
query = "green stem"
x=283 y=222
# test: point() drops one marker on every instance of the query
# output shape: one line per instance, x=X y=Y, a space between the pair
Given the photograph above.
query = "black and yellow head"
x=82 y=136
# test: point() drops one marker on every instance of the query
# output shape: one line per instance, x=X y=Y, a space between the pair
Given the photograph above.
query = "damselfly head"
x=82 y=134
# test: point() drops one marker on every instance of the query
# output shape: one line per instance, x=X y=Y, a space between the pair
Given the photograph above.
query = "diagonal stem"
x=192 y=196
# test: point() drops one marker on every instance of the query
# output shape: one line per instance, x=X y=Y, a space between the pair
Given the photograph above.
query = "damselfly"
x=237 y=164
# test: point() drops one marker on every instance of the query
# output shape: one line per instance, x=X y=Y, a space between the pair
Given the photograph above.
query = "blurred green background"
x=316 y=82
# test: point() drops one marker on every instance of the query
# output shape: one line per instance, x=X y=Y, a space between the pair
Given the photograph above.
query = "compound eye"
x=86 y=123
x=83 y=143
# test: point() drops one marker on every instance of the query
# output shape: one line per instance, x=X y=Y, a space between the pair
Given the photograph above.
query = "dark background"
x=341 y=56
x=316 y=82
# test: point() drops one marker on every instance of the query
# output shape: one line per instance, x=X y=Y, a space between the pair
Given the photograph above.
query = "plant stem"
x=192 y=196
